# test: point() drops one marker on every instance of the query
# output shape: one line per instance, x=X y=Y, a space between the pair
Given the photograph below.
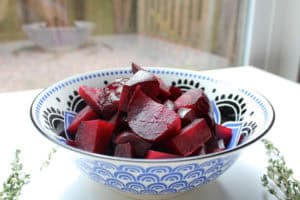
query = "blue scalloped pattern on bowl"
x=155 y=180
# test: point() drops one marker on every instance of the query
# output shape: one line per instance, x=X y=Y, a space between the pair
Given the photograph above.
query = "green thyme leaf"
x=47 y=162
x=11 y=188
x=279 y=180
x=17 y=179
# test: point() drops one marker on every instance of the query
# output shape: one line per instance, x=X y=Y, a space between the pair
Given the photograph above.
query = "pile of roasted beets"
x=141 y=117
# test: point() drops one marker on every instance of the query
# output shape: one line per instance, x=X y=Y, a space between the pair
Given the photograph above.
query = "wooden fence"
x=209 y=25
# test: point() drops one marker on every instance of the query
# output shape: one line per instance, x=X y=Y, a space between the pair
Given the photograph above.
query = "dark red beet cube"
x=109 y=103
x=209 y=117
x=200 y=151
x=124 y=150
x=211 y=145
x=140 y=146
x=159 y=155
x=175 y=92
x=100 y=100
x=146 y=80
x=148 y=83
x=163 y=90
x=187 y=115
x=191 y=138
x=85 y=114
x=150 y=120
x=94 y=136
x=222 y=132
x=91 y=96
x=114 y=90
x=195 y=99
x=214 y=145
x=114 y=119
x=120 y=122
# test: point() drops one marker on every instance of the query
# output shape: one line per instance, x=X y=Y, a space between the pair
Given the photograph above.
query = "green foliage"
x=16 y=180
x=279 y=179
x=47 y=162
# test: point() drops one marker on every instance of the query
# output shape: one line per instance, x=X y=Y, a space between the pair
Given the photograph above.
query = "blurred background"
x=43 y=41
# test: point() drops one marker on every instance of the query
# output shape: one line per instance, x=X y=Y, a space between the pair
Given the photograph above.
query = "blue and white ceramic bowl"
x=248 y=113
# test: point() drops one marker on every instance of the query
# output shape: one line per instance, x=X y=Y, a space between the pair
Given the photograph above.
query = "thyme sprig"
x=279 y=179
x=16 y=180
x=49 y=158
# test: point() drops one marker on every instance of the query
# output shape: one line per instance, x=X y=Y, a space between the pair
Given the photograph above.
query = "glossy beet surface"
x=150 y=120
x=100 y=100
x=87 y=113
x=191 y=138
x=146 y=80
x=175 y=92
x=140 y=146
x=195 y=99
x=124 y=150
x=94 y=136
x=159 y=155
x=187 y=115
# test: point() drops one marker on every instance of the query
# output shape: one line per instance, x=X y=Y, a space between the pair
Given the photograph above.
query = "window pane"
x=192 y=34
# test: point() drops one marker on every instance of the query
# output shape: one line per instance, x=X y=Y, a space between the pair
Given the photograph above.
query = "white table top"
x=242 y=181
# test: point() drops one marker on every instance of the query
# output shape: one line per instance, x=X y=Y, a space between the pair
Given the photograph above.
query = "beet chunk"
x=94 y=136
x=191 y=138
x=163 y=90
x=195 y=99
x=200 y=151
x=101 y=100
x=214 y=145
x=124 y=150
x=175 y=92
x=187 y=115
x=114 y=90
x=140 y=146
x=150 y=120
x=148 y=82
x=85 y=114
x=222 y=132
x=91 y=96
x=159 y=155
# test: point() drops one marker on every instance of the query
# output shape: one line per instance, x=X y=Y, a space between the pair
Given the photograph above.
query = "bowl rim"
x=154 y=161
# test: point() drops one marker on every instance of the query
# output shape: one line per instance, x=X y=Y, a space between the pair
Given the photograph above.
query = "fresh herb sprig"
x=279 y=179
x=49 y=158
x=16 y=180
